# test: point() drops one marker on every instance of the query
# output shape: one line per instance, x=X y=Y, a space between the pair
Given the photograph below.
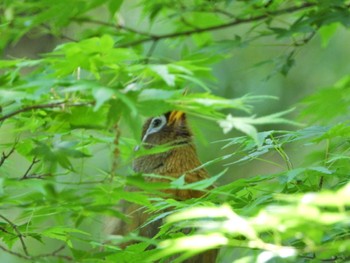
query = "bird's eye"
x=156 y=123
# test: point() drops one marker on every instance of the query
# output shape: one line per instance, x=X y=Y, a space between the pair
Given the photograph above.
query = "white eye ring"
x=156 y=124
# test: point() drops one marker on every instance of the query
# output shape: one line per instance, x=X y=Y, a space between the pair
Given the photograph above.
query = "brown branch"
x=19 y=234
x=235 y=22
x=52 y=254
x=306 y=39
x=14 y=253
x=34 y=161
x=7 y=232
x=36 y=176
x=45 y=106
x=117 y=26
x=4 y=156
x=150 y=51
x=26 y=254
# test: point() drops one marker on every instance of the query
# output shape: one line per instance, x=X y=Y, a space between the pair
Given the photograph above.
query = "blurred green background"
x=250 y=69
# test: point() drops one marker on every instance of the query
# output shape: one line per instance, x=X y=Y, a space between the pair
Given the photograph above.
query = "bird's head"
x=170 y=128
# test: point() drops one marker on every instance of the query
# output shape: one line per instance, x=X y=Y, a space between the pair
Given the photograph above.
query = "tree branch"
x=52 y=254
x=4 y=156
x=19 y=234
x=45 y=106
x=235 y=22
x=14 y=253
x=26 y=253
x=34 y=161
x=117 y=26
x=36 y=176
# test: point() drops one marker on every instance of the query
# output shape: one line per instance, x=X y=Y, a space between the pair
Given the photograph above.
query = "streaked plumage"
x=181 y=159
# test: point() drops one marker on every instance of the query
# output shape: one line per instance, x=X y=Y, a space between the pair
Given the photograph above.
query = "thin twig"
x=320 y=184
x=150 y=51
x=36 y=176
x=4 y=156
x=7 y=232
x=19 y=234
x=28 y=257
x=117 y=26
x=306 y=39
x=54 y=254
x=235 y=22
x=282 y=153
x=14 y=253
x=34 y=161
x=45 y=106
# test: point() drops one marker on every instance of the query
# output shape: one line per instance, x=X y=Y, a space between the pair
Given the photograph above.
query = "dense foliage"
x=71 y=117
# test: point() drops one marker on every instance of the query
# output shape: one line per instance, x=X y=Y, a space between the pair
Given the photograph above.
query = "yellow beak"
x=175 y=116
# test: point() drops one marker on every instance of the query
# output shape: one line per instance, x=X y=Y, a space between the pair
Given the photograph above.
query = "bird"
x=170 y=129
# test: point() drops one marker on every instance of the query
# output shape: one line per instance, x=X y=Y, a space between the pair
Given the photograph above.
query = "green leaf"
x=86 y=117
x=102 y=95
x=327 y=32
x=321 y=169
x=163 y=72
x=62 y=233
x=179 y=182
x=133 y=197
x=245 y=124
x=157 y=94
x=202 y=184
x=195 y=244
x=113 y=6
x=241 y=124
x=329 y=103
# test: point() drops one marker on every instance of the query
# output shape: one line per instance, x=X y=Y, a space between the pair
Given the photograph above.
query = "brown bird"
x=171 y=129
x=182 y=159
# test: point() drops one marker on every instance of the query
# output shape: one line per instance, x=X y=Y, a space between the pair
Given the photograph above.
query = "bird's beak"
x=175 y=116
